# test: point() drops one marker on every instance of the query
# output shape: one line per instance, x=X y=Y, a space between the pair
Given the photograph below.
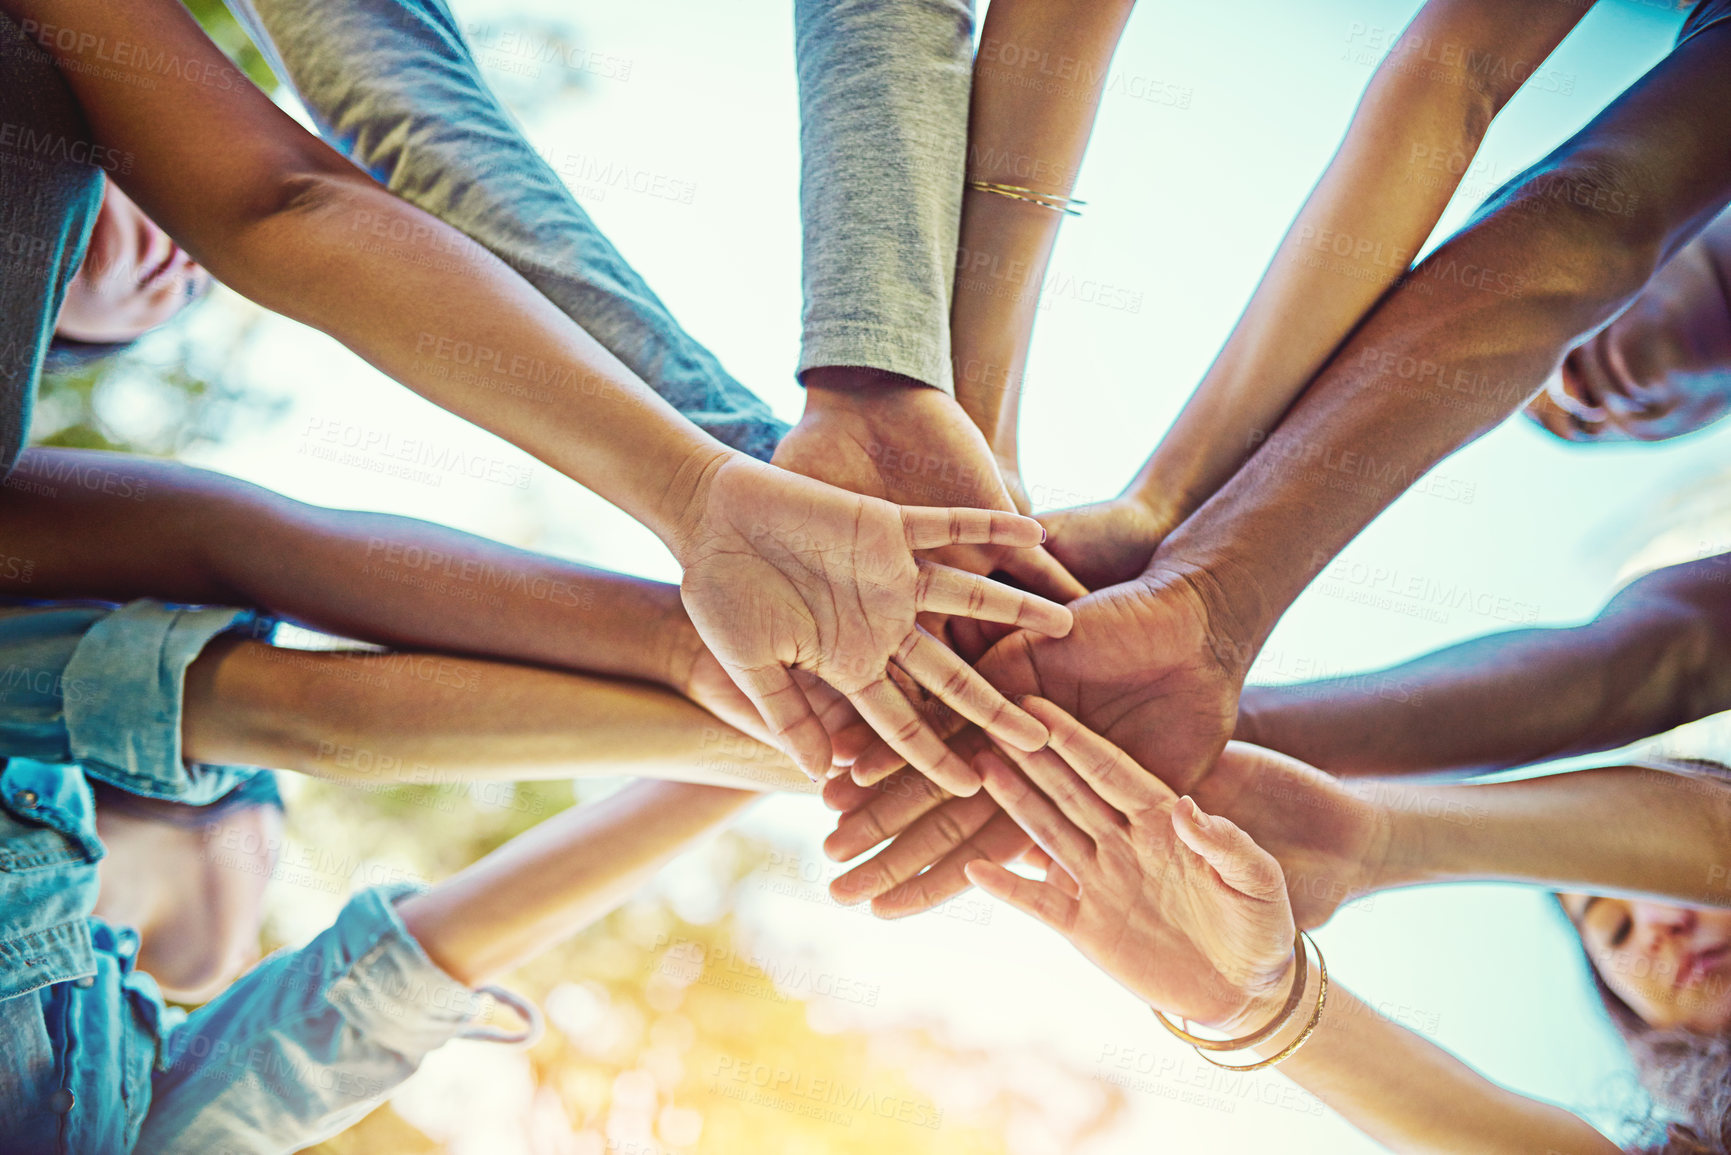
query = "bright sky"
x=1188 y=194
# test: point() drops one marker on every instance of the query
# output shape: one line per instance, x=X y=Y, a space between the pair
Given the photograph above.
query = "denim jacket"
x=92 y=1062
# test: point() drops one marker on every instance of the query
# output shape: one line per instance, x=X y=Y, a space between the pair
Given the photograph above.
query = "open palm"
x=1181 y=907
x=782 y=572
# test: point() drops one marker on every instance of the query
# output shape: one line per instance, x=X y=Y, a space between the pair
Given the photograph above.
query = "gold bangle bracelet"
x=1300 y=975
x=1053 y=201
x=1291 y=1048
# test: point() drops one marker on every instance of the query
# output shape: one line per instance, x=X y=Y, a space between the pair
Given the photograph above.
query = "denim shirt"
x=92 y=1062
x=96 y=690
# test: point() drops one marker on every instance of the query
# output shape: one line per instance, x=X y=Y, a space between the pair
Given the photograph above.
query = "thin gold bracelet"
x=1054 y=201
x=1300 y=975
x=1291 y=1048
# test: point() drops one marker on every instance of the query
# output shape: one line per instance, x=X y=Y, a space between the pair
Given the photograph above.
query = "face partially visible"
x=133 y=278
x=1670 y=964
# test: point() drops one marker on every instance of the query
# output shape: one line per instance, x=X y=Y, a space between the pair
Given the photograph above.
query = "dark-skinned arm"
x=1658 y=655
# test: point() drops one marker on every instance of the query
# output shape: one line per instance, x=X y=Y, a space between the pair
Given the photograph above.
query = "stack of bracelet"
x=1016 y=192
x=1301 y=974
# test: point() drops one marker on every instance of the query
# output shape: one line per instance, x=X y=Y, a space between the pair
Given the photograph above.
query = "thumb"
x=1236 y=858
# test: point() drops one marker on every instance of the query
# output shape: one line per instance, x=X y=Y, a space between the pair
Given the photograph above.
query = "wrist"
x=1408 y=856
x=674 y=646
x=1232 y=639
x=856 y=388
x=689 y=496
x=1264 y=1001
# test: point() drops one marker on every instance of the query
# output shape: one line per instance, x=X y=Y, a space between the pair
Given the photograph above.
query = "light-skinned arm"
x=1186 y=911
x=1658 y=832
x=1658 y=655
x=780 y=572
x=394 y=718
x=1412 y=139
x=561 y=876
x=1038 y=76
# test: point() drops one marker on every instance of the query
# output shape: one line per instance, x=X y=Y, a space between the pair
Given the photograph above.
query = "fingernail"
x=1042 y=535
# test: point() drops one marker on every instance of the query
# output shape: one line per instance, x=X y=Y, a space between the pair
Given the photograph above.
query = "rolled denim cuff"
x=394 y=996
x=124 y=692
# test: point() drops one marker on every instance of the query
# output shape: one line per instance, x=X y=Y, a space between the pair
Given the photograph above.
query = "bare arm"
x=1191 y=914
x=1631 y=830
x=382 y=719
x=1551 y=259
x=115 y=527
x=285 y=220
x=1413 y=137
x=1658 y=655
x=1038 y=76
x=1412 y=1096
x=1411 y=140
x=1663 y=367
x=560 y=876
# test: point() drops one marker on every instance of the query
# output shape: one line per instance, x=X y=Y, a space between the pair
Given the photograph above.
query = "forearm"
x=1471 y=334
x=1657 y=656
x=118 y=528
x=1413 y=137
x=559 y=877
x=426 y=718
x=1618 y=830
x=1413 y=1097
x=286 y=221
x=1038 y=77
x=396 y=87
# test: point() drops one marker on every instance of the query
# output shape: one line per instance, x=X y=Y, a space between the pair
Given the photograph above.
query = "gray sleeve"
x=883 y=99
x=394 y=85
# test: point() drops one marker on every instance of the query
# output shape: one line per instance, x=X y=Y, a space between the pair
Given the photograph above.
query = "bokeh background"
x=733 y=1007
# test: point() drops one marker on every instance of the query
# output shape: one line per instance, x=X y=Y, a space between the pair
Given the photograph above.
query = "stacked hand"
x=1181 y=907
x=785 y=573
x=1105 y=543
x=1143 y=666
x=886 y=437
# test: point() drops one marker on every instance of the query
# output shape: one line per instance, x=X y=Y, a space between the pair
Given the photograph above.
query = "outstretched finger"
x=1112 y=774
x=928 y=527
x=999 y=840
x=955 y=683
x=1069 y=846
x=898 y=723
x=1039 y=900
x=1236 y=858
x=1075 y=798
x=1039 y=571
x=788 y=714
x=923 y=843
x=879 y=759
x=945 y=590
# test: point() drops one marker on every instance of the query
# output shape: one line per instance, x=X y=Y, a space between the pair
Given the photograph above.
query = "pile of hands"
x=852 y=625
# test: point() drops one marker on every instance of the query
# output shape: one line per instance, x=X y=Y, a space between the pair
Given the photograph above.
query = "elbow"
x=1581 y=244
